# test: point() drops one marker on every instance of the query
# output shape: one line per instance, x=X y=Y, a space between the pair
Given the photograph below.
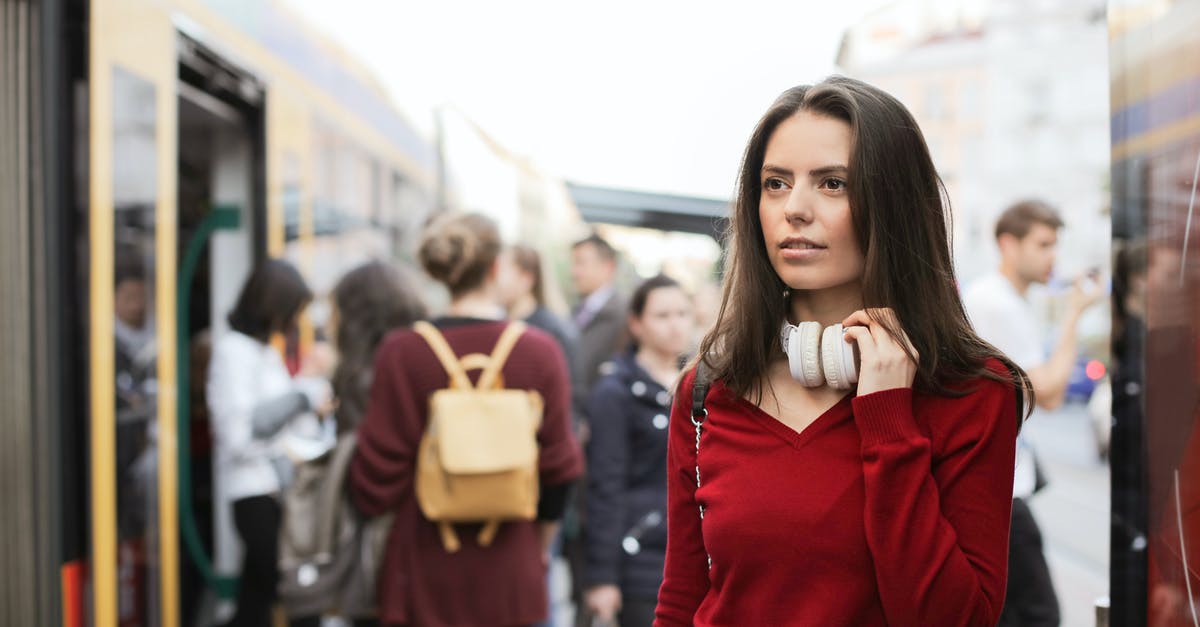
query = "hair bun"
x=458 y=249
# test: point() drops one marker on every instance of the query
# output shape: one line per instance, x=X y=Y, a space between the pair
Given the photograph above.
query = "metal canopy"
x=666 y=212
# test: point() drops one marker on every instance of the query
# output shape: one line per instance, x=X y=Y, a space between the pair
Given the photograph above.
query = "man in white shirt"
x=999 y=308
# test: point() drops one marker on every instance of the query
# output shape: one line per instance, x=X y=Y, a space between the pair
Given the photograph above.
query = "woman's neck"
x=662 y=367
x=828 y=306
x=523 y=307
x=477 y=304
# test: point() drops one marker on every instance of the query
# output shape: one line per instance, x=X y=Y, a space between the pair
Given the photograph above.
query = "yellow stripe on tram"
x=103 y=395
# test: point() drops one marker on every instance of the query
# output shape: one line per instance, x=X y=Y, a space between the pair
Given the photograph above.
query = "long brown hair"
x=528 y=260
x=900 y=214
x=372 y=300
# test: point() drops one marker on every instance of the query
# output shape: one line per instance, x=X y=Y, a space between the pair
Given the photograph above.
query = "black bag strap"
x=700 y=390
x=699 y=415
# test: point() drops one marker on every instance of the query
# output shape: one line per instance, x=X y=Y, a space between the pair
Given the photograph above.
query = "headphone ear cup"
x=804 y=354
x=833 y=350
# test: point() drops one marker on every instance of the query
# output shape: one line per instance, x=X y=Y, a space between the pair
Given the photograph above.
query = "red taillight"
x=1095 y=370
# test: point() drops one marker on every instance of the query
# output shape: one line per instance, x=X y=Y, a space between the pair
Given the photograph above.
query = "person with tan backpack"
x=467 y=441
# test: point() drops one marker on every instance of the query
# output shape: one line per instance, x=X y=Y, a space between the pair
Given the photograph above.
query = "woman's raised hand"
x=885 y=364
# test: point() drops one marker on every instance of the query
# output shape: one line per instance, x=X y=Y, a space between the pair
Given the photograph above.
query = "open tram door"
x=174 y=131
x=221 y=222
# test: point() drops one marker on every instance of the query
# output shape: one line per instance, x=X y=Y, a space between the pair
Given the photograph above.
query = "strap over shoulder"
x=450 y=362
x=508 y=339
x=455 y=367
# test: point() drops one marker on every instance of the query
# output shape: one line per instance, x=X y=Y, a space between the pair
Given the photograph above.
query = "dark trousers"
x=315 y=621
x=637 y=612
x=257 y=520
x=1030 y=600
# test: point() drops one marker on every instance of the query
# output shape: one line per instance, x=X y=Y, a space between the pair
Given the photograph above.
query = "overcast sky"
x=648 y=94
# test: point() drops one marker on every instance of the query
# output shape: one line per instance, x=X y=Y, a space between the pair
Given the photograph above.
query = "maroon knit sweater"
x=890 y=509
x=419 y=582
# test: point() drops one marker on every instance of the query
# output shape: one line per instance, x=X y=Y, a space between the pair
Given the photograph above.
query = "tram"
x=154 y=151
x=1155 y=539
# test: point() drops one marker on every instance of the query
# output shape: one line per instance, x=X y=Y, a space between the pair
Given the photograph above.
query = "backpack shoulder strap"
x=332 y=489
x=508 y=339
x=450 y=362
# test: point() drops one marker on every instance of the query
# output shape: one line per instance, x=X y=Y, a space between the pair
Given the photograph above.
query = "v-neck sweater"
x=888 y=509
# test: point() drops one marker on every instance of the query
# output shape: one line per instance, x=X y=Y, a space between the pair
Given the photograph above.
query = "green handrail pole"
x=220 y=218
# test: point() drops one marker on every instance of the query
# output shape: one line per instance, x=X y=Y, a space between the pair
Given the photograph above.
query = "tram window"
x=291 y=196
x=135 y=196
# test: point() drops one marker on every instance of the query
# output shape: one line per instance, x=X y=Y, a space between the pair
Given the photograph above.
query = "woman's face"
x=665 y=325
x=804 y=206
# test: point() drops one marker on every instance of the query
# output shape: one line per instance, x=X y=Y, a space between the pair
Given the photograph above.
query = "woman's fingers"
x=861 y=335
x=885 y=364
x=878 y=320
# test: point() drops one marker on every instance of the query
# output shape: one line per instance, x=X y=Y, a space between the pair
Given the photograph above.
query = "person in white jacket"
x=253 y=403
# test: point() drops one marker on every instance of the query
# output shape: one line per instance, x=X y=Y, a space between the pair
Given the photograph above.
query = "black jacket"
x=626 y=534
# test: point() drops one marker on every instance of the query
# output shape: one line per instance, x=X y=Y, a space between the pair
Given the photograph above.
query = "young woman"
x=252 y=399
x=880 y=502
x=420 y=583
x=627 y=453
x=368 y=302
x=523 y=293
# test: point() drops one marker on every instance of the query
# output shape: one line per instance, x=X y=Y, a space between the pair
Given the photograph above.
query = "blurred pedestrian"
x=999 y=308
x=369 y=302
x=1128 y=577
x=627 y=455
x=522 y=293
x=600 y=315
x=853 y=475
x=252 y=400
x=600 y=320
x=521 y=284
x=420 y=583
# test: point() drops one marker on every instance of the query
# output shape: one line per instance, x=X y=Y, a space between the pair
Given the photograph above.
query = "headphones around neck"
x=818 y=357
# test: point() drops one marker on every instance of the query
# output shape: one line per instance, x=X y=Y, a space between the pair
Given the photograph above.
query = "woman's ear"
x=635 y=327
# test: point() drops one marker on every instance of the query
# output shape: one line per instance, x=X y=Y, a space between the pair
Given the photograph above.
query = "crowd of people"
x=606 y=375
x=838 y=449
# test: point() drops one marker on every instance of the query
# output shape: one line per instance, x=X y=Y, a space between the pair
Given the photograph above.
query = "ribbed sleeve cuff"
x=885 y=416
x=315 y=389
x=602 y=574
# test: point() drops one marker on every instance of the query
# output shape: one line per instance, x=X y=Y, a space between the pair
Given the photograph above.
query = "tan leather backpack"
x=478 y=458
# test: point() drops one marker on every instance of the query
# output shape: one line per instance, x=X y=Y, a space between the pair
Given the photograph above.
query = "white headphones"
x=819 y=357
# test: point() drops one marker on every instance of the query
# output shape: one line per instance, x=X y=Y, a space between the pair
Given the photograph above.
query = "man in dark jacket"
x=600 y=315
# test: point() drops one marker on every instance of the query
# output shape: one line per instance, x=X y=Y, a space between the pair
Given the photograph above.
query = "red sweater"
x=890 y=509
x=419 y=582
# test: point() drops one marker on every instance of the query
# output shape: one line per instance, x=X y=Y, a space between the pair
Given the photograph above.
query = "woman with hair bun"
x=420 y=583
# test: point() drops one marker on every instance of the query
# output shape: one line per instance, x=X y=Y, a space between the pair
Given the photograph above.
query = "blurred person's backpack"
x=329 y=554
x=478 y=458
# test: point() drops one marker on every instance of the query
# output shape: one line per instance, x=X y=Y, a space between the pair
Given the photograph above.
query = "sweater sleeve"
x=384 y=463
x=938 y=527
x=608 y=469
x=560 y=460
x=685 y=577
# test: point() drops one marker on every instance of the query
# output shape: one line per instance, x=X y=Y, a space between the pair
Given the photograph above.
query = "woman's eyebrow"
x=774 y=169
x=829 y=169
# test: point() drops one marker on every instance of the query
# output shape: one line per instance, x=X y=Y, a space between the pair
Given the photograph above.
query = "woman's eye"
x=774 y=184
x=836 y=185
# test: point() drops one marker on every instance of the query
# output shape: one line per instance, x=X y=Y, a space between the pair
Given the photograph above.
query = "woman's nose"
x=798 y=206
